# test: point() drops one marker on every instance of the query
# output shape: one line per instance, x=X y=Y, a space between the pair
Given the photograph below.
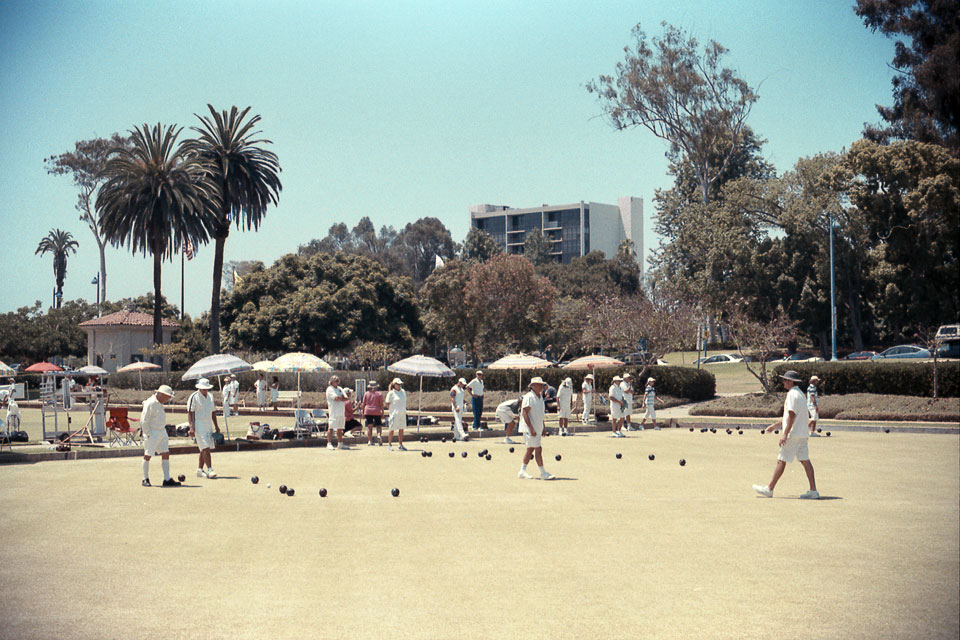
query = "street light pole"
x=96 y=282
x=833 y=298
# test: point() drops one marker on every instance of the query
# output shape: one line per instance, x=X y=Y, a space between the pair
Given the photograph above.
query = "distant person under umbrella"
x=564 y=404
x=396 y=405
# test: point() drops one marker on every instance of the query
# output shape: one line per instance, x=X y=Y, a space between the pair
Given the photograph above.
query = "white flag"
x=439 y=263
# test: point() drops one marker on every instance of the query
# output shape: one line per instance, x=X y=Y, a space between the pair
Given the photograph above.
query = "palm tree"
x=60 y=244
x=157 y=195
x=248 y=182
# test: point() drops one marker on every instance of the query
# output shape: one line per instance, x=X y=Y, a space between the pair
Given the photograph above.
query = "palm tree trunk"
x=215 y=297
x=157 y=327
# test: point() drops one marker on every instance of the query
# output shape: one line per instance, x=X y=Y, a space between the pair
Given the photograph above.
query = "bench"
x=288 y=396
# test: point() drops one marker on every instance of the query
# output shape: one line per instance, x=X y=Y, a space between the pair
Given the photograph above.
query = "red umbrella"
x=42 y=367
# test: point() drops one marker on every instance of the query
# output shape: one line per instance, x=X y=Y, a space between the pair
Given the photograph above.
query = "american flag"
x=188 y=249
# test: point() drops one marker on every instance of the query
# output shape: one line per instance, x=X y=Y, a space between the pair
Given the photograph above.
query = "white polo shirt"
x=586 y=387
x=476 y=387
x=565 y=395
x=397 y=399
x=537 y=412
x=457 y=397
x=336 y=408
x=202 y=407
x=153 y=417
x=615 y=392
x=797 y=403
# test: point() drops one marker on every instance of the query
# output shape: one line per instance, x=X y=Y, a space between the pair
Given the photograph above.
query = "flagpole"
x=182 y=264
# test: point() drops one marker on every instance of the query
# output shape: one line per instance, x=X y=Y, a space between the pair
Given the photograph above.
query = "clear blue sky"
x=393 y=110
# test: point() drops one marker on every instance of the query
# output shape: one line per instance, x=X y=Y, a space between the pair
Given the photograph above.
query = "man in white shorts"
x=793 y=441
x=627 y=388
x=507 y=414
x=586 y=391
x=202 y=415
x=457 y=402
x=153 y=422
x=533 y=412
x=649 y=403
x=565 y=404
x=396 y=406
x=617 y=405
x=813 y=405
x=337 y=412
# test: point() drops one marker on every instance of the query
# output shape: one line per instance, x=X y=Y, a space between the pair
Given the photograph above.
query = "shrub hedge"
x=895 y=378
x=680 y=382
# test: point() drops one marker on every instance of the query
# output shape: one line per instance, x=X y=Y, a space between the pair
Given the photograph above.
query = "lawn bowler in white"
x=13 y=413
x=565 y=404
x=262 y=388
x=231 y=396
x=396 y=406
x=202 y=416
x=532 y=412
x=153 y=422
x=507 y=414
x=457 y=403
x=586 y=392
x=649 y=403
x=617 y=405
x=813 y=404
x=337 y=411
x=627 y=388
x=793 y=441
x=475 y=391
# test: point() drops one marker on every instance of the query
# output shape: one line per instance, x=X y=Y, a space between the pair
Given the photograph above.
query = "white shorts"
x=397 y=421
x=337 y=423
x=204 y=439
x=155 y=442
x=616 y=412
x=506 y=417
x=814 y=414
x=628 y=411
x=564 y=410
x=650 y=412
x=794 y=448
x=531 y=442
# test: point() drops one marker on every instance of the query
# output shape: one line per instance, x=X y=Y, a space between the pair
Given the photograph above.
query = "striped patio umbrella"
x=520 y=361
x=300 y=362
x=5 y=370
x=264 y=365
x=592 y=362
x=139 y=367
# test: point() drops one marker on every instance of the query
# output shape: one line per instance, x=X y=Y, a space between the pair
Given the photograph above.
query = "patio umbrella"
x=42 y=367
x=219 y=364
x=299 y=362
x=5 y=370
x=92 y=370
x=264 y=365
x=592 y=362
x=421 y=366
x=520 y=361
x=139 y=367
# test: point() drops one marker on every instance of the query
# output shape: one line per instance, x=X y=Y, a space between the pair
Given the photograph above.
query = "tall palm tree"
x=157 y=195
x=248 y=182
x=60 y=244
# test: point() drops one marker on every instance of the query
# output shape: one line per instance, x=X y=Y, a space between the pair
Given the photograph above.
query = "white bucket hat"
x=397 y=381
x=537 y=380
x=567 y=382
x=617 y=379
x=165 y=390
x=203 y=383
x=627 y=375
x=589 y=376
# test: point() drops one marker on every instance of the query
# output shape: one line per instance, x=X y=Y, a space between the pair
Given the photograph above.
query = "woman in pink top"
x=373 y=413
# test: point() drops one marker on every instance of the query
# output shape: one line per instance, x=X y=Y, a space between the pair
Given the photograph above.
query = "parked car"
x=720 y=358
x=902 y=351
x=803 y=356
x=949 y=331
x=860 y=355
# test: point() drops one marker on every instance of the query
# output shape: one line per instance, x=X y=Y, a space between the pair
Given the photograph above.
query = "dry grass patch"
x=858 y=406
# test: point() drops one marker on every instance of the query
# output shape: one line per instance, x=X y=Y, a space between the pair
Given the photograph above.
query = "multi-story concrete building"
x=573 y=229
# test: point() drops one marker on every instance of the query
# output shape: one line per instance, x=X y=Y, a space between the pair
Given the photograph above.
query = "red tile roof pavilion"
x=128 y=319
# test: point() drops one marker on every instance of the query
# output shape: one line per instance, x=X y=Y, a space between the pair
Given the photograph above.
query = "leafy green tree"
x=420 y=243
x=537 y=248
x=442 y=304
x=156 y=197
x=85 y=166
x=480 y=246
x=926 y=91
x=247 y=179
x=61 y=244
x=320 y=303
x=682 y=95
x=373 y=355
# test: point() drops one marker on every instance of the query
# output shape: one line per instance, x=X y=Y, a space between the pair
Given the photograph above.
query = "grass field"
x=614 y=548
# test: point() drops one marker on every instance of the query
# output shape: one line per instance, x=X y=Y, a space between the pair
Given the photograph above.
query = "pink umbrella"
x=42 y=367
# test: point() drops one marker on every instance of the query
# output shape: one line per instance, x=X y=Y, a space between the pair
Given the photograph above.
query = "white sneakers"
x=618 y=434
x=523 y=475
x=330 y=445
x=813 y=494
x=401 y=447
x=201 y=474
x=508 y=441
x=766 y=492
x=545 y=475
x=211 y=473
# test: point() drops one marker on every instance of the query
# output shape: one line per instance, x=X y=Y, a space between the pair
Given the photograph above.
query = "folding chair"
x=319 y=417
x=305 y=424
x=118 y=424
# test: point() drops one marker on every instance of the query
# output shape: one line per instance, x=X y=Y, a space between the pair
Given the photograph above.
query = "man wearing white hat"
x=813 y=405
x=507 y=414
x=474 y=389
x=649 y=402
x=202 y=415
x=337 y=412
x=793 y=441
x=626 y=386
x=153 y=422
x=456 y=400
x=565 y=404
x=396 y=406
x=586 y=391
x=617 y=405
x=231 y=396
x=533 y=412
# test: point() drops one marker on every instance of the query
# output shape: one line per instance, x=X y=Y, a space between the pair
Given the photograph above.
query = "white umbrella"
x=92 y=370
x=219 y=364
x=520 y=361
x=139 y=367
x=421 y=366
x=300 y=362
x=264 y=365
x=593 y=362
